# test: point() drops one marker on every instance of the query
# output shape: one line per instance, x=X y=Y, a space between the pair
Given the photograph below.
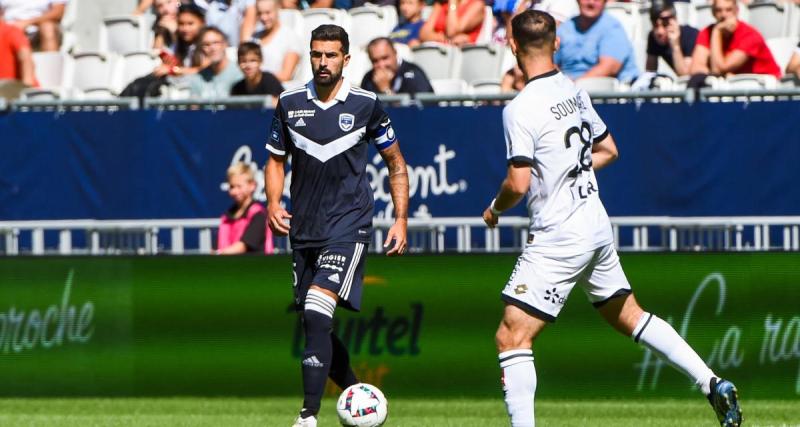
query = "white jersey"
x=552 y=125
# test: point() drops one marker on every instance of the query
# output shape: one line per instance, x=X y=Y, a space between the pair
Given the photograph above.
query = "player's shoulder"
x=293 y=93
x=362 y=93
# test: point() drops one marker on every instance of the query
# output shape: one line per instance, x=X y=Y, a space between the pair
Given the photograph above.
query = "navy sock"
x=341 y=373
x=316 y=359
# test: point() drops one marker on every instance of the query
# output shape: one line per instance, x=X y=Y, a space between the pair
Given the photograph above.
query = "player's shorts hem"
x=619 y=293
x=533 y=311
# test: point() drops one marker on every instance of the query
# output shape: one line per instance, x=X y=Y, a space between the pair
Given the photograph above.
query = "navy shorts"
x=338 y=267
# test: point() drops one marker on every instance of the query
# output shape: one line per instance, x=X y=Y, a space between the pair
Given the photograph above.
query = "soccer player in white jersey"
x=554 y=142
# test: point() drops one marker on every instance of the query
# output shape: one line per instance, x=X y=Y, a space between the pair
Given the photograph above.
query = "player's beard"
x=327 y=81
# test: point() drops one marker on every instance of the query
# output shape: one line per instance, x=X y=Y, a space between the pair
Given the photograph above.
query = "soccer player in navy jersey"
x=326 y=127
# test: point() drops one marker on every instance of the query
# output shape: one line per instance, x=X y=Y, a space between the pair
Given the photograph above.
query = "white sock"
x=519 y=385
x=663 y=340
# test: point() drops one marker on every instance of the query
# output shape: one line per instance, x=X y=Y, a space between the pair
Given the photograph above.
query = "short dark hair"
x=333 y=33
x=533 y=29
x=249 y=47
x=211 y=29
x=192 y=9
x=378 y=40
x=660 y=7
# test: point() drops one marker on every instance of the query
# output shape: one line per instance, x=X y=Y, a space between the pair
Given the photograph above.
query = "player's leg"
x=514 y=339
x=534 y=295
x=351 y=278
x=610 y=292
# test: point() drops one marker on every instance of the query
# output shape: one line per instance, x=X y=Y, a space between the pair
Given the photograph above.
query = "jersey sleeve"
x=520 y=142
x=277 y=142
x=379 y=128
x=588 y=114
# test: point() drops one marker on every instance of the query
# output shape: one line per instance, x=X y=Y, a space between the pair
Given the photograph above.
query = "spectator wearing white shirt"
x=236 y=18
x=280 y=46
x=38 y=18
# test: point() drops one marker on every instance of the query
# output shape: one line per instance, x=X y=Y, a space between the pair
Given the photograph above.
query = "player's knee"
x=318 y=312
x=507 y=339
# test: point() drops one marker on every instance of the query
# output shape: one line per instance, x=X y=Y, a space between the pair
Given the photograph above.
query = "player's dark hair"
x=211 y=29
x=332 y=33
x=249 y=47
x=533 y=29
x=378 y=40
x=660 y=7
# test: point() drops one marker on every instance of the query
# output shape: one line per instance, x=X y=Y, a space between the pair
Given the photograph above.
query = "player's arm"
x=512 y=190
x=274 y=174
x=398 y=184
x=604 y=152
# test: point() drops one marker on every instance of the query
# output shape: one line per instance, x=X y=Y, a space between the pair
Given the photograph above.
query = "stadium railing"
x=420 y=100
x=433 y=235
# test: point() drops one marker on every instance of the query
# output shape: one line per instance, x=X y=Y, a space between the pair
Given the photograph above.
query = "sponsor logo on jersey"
x=300 y=123
x=521 y=289
x=334 y=278
x=346 y=121
x=294 y=114
x=553 y=297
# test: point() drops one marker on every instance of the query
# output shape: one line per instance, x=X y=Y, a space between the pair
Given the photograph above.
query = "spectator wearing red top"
x=454 y=21
x=731 y=46
x=16 y=59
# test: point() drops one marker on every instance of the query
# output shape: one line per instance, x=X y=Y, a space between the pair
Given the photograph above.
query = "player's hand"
x=489 y=218
x=276 y=221
x=398 y=234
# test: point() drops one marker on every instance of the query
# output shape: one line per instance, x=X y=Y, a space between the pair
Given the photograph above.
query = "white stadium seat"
x=769 y=18
x=124 y=34
x=132 y=66
x=368 y=23
x=752 y=81
x=481 y=62
x=87 y=70
x=313 y=18
x=358 y=66
x=623 y=12
x=49 y=69
x=485 y=87
x=292 y=18
x=702 y=16
x=449 y=86
x=598 y=84
x=404 y=52
x=35 y=94
x=487 y=27
x=439 y=61
x=782 y=49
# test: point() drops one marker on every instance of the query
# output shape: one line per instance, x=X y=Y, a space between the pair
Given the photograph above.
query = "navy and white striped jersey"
x=331 y=199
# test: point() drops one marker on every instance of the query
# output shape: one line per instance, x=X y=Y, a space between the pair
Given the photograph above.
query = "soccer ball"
x=362 y=405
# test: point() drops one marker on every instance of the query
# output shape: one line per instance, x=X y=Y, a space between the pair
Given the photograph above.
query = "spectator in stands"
x=513 y=80
x=793 y=67
x=184 y=58
x=292 y=4
x=243 y=227
x=255 y=82
x=235 y=18
x=594 y=44
x=280 y=46
x=408 y=31
x=506 y=9
x=217 y=79
x=457 y=22
x=668 y=40
x=731 y=46
x=16 y=59
x=390 y=75
x=40 y=19
x=166 y=25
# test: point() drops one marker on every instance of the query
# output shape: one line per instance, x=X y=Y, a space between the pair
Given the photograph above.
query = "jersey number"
x=582 y=186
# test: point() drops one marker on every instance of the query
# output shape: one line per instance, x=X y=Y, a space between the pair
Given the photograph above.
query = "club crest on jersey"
x=346 y=121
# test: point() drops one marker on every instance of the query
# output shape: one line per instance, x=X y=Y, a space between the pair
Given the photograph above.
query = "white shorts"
x=541 y=283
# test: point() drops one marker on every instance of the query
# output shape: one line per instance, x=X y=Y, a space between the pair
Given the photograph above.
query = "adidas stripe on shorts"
x=541 y=282
x=338 y=267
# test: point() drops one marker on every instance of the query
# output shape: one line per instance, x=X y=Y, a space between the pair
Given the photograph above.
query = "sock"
x=317 y=323
x=341 y=373
x=519 y=385
x=664 y=341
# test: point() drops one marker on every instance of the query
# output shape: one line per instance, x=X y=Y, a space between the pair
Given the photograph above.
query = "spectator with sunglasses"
x=669 y=40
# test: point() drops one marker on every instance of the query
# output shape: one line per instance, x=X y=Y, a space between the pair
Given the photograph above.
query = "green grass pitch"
x=402 y=412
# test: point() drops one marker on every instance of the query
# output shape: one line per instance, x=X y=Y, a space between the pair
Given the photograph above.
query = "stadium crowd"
x=211 y=48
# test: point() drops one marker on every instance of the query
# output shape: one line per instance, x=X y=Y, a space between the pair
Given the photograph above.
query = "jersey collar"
x=550 y=73
x=341 y=95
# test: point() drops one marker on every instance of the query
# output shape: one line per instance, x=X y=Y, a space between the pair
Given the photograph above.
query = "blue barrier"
x=676 y=159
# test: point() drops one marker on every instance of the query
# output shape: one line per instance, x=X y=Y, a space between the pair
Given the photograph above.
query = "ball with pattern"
x=362 y=405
